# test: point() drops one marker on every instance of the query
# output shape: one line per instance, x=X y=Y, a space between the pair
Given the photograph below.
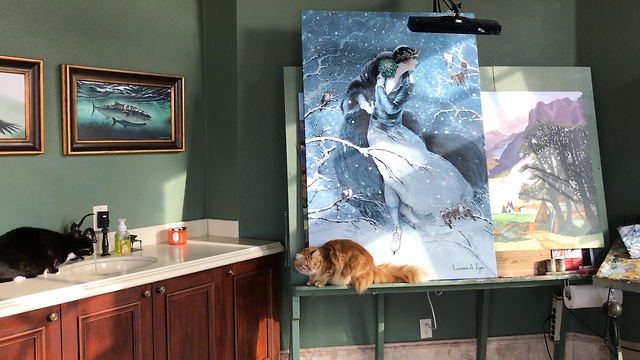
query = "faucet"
x=105 y=242
x=103 y=222
x=77 y=235
x=134 y=240
x=92 y=232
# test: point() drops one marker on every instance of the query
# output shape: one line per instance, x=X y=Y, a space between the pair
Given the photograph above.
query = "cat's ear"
x=316 y=254
x=299 y=256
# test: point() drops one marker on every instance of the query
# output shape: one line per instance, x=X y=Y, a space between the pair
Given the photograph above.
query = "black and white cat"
x=28 y=251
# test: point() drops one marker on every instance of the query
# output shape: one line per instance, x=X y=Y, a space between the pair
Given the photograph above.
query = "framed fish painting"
x=21 y=106
x=116 y=111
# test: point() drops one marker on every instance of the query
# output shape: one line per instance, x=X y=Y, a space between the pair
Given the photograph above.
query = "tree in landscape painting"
x=562 y=174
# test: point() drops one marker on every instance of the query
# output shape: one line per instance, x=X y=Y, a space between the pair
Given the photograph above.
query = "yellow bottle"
x=122 y=240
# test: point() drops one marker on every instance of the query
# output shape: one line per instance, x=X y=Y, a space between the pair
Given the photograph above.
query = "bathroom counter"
x=199 y=253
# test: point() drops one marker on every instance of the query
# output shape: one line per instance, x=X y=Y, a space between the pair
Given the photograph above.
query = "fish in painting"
x=123 y=114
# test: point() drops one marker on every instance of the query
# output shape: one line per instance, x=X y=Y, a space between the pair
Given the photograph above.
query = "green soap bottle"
x=122 y=239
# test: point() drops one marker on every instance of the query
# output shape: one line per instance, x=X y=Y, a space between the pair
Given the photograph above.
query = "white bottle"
x=122 y=239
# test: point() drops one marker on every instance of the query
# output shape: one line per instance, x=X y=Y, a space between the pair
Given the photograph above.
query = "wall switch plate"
x=425 y=329
x=556 y=317
x=95 y=210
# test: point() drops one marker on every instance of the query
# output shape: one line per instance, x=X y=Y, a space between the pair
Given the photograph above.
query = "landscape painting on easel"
x=541 y=183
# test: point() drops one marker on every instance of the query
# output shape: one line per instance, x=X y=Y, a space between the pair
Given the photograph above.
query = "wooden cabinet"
x=184 y=317
x=227 y=313
x=116 y=325
x=251 y=306
x=33 y=335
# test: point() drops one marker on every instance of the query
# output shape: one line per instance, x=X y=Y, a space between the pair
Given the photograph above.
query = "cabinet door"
x=113 y=326
x=31 y=335
x=255 y=309
x=184 y=317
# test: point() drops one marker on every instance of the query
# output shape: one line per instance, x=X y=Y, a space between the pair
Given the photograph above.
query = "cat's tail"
x=389 y=273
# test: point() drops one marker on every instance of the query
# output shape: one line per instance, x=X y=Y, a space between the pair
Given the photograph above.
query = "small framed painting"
x=113 y=111
x=21 y=106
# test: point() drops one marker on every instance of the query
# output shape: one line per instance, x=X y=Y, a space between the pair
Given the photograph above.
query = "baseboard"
x=532 y=347
x=223 y=228
x=158 y=234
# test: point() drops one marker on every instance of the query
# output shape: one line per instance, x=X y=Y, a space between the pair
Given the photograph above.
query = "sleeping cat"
x=345 y=262
x=30 y=251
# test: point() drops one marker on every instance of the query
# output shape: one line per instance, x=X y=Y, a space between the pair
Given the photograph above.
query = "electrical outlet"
x=426 y=331
x=97 y=208
x=556 y=317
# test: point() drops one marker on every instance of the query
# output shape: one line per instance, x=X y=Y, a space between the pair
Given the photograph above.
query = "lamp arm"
x=453 y=6
x=436 y=6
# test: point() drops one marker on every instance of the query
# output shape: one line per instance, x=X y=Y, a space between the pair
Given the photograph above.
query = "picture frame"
x=108 y=111
x=21 y=106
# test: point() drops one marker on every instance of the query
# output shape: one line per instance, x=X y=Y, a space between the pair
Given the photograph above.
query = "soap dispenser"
x=122 y=239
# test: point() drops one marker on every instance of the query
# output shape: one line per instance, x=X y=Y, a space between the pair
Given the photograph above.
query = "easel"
x=503 y=79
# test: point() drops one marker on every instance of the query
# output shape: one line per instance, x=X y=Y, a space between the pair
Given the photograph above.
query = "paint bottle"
x=122 y=239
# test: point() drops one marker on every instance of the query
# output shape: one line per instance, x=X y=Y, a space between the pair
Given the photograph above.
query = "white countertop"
x=200 y=253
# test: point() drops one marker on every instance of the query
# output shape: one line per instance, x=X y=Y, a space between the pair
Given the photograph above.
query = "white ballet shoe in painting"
x=395 y=241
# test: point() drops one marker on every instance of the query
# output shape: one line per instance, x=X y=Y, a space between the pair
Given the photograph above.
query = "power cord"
x=544 y=333
x=433 y=313
x=603 y=337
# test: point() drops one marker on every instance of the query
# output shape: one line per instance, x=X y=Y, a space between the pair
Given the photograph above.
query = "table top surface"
x=448 y=285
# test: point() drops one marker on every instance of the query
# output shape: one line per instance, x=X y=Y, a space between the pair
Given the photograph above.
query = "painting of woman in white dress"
x=394 y=143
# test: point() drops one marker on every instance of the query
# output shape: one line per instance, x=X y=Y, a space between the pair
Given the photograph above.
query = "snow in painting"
x=543 y=194
x=399 y=169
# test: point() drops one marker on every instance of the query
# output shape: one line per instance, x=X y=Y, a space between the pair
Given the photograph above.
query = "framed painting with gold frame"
x=116 y=111
x=21 y=115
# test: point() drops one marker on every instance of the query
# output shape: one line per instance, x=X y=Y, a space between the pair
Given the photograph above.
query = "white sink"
x=110 y=265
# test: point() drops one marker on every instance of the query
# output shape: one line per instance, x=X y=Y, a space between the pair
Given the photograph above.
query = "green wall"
x=607 y=43
x=52 y=190
x=220 y=74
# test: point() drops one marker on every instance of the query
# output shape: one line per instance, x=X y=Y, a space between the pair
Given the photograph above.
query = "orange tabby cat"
x=345 y=262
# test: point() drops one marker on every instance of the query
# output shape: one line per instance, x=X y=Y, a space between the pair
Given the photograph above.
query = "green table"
x=482 y=286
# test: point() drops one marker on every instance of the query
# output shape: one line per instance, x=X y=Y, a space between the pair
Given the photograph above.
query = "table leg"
x=482 y=324
x=294 y=340
x=380 y=330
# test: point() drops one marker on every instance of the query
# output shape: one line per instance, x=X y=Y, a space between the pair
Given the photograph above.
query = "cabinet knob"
x=161 y=290
x=230 y=272
x=146 y=293
x=52 y=317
